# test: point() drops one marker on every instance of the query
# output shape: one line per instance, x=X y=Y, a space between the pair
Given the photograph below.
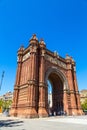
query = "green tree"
x=1 y=102
x=5 y=104
x=84 y=105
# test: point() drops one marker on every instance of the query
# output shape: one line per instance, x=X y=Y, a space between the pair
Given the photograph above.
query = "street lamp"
x=2 y=79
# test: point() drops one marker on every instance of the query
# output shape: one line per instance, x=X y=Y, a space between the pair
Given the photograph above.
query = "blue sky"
x=61 y=23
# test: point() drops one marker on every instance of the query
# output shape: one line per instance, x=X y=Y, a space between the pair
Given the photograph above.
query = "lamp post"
x=2 y=79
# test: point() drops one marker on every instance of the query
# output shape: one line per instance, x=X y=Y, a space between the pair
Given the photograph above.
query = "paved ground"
x=52 y=123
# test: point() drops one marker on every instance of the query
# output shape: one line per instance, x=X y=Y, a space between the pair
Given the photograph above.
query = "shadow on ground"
x=10 y=123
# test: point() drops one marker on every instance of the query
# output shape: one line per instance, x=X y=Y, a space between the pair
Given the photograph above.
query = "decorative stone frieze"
x=55 y=61
x=26 y=56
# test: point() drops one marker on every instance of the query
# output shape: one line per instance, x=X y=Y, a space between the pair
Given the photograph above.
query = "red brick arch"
x=37 y=64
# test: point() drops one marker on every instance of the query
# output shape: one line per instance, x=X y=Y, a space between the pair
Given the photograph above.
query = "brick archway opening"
x=58 y=83
x=55 y=95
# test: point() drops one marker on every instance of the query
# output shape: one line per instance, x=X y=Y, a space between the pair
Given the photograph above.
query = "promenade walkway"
x=51 y=123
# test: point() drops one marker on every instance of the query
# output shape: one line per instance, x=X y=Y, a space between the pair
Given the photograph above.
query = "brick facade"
x=37 y=65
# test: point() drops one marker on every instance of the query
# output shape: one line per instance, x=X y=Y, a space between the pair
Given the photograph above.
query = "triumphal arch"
x=36 y=66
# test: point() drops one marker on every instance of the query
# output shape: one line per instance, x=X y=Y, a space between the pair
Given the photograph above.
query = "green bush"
x=5 y=104
x=84 y=105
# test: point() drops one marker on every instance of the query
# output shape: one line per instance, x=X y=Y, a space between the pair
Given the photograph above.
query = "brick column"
x=71 y=85
x=42 y=111
x=13 y=110
x=65 y=102
x=31 y=111
x=79 y=110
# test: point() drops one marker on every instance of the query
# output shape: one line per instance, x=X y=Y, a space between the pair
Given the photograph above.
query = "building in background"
x=83 y=95
x=7 y=96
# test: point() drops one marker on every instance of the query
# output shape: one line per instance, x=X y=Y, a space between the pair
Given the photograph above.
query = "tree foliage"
x=5 y=104
x=84 y=105
x=1 y=102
